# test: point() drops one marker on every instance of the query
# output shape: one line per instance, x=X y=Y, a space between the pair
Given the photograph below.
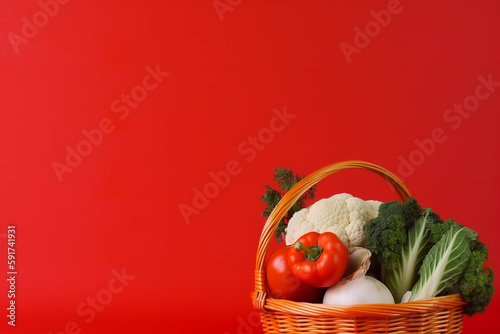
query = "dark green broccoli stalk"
x=286 y=180
x=386 y=234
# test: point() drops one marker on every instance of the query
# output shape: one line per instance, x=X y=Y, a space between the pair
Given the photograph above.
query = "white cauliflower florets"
x=342 y=214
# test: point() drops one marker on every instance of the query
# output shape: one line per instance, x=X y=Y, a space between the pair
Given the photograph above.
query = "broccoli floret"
x=409 y=211
x=478 y=246
x=386 y=234
x=437 y=230
x=476 y=284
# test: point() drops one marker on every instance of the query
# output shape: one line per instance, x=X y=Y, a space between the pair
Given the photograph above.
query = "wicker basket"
x=434 y=315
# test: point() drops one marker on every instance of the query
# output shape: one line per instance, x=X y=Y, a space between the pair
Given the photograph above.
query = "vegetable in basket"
x=286 y=180
x=280 y=316
x=358 y=288
x=476 y=284
x=283 y=284
x=318 y=259
x=444 y=264
x=455 y=264
x=388 y=232
x=429 y=257
x=342 y=214
x=401 y=236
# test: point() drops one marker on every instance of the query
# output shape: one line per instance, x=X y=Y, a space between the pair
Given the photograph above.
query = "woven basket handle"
x=260 y=293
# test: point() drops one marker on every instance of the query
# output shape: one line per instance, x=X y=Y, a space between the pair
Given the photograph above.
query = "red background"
x=119 y=208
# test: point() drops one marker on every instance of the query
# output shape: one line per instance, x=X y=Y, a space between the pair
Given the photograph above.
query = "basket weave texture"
x=433 y=315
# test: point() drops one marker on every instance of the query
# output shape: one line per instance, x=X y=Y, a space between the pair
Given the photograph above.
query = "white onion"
x=362 y=290
x=357 y=288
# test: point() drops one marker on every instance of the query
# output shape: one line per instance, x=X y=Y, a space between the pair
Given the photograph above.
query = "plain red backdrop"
x=119 y=207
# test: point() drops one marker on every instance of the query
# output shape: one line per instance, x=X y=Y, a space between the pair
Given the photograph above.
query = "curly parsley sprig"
x=286 y=179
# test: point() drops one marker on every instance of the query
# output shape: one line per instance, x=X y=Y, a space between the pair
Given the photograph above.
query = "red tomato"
x=283 y=284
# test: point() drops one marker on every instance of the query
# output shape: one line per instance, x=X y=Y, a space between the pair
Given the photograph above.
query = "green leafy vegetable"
x=386 y=234
x=476 y=284
x=424 y=257
x=445 y=263
x=286 y=179
x=404 y=275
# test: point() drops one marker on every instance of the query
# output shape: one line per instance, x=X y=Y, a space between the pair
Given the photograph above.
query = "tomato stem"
x=312 y=253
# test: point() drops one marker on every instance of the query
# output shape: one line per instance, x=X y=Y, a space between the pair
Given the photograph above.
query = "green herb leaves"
x=286 y=179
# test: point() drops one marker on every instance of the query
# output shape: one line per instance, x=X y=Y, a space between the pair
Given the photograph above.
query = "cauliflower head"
x=342 y=214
